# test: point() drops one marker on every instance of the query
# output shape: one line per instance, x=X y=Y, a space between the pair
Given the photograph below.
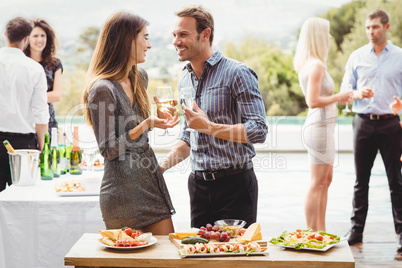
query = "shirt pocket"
x=216 y=100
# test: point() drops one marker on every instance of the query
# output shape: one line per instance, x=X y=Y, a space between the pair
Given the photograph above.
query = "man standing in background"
x=23 y=110
x=377 y=65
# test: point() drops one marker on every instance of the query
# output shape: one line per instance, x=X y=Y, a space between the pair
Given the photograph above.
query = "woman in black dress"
x=42 y=48
x=133 y=191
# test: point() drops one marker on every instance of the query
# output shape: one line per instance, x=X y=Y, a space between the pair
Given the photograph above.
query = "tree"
x=277 y=80
x=86 y=46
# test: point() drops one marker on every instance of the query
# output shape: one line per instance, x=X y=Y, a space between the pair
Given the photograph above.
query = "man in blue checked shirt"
x=376 y=127
x=228 y=116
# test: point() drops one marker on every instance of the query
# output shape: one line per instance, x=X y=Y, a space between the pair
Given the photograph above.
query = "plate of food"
x=74 y=187
x=152 y=241
x=222 y=250
x=126 y=239
x=98 y=165
x=306 y=240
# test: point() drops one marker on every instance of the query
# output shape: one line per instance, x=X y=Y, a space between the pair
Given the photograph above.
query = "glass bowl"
x=231 y=225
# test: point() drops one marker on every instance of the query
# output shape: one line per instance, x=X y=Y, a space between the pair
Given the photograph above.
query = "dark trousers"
x=18 y=141
x=231 y=197
x=369 y=137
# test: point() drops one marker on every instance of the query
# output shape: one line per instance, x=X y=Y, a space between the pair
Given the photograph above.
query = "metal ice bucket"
x=24 y=166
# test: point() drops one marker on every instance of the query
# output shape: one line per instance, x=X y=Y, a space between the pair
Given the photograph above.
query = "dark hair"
x=377 y=13
x=202 y=17
x=17 y=29
x=49 y=52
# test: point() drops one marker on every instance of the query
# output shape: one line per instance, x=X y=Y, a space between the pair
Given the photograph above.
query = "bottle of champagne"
x=46 y=172
x=76 y=156
x=54 y=149
x=69 y=149
x=62 y=150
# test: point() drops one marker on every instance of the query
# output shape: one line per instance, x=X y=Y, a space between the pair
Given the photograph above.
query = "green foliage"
x=73 y=86
x=342 y=20
x=277 y=80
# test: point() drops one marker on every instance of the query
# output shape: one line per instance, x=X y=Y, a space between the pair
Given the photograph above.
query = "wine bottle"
x=63 y=152
x=76 y=156
x=46 y=172
x=54 y=149
x=69 y=149
x=8 y=146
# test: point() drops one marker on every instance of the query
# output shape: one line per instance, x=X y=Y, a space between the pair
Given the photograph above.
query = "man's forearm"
x=179 y=153
x=235 y=133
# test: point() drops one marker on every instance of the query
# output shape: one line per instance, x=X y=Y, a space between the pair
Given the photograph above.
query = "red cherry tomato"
x=319 y=238
x=128 y=231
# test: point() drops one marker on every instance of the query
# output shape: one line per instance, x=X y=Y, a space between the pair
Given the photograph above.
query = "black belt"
x=213 y=175
x=17 y=134
x=377 y=116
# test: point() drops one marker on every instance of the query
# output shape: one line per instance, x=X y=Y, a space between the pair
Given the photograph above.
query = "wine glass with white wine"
x=166 y=100
x=345 y=87
x=187 y=96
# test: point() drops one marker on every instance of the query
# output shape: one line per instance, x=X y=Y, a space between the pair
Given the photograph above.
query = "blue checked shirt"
x=363 y=63
x=228 y=93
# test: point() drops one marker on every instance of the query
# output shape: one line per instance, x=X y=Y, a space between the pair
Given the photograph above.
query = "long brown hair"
x=49 y=52
x=111 y=58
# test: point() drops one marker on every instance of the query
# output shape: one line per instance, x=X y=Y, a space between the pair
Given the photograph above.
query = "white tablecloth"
x=38 y=227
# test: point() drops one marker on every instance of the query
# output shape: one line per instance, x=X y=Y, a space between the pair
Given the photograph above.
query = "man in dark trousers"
x=375 y=66
x=24 y=113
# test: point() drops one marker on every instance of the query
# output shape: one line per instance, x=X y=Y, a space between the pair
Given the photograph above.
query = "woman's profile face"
x=140 y=46
x=37 y=39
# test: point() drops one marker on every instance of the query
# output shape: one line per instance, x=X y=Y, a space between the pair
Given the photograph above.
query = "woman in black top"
x=42 y=48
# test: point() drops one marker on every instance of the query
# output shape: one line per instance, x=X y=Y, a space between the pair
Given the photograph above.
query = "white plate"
x=152 y=241
x=313 y=249
x=85 y=193
x=95 y=168
x=222 y=254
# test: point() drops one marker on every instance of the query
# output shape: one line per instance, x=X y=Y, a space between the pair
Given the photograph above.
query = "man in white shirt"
x=24 y=113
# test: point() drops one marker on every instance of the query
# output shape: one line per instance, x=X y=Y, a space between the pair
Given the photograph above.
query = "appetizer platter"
x=126 y=239
x=214 y=240
x=306 y=240
x=73 y=187
x=98 y=165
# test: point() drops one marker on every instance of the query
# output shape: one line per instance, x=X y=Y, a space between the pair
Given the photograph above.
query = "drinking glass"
x=346 y=88
x=370 y=83
x=89 y=155
x=166 y=100
x=187 y=96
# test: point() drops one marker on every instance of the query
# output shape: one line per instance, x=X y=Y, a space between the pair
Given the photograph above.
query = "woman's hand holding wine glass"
x=165 y=103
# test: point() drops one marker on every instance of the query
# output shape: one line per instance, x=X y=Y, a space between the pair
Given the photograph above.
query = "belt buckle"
x=374 y=116
x=205 y=174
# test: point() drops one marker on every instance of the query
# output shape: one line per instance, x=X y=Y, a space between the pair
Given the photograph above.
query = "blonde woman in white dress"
x=318 y=129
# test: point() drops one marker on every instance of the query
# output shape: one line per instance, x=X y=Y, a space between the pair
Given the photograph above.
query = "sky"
x=267 y=19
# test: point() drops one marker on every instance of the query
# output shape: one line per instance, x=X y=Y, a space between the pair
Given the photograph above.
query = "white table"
x=38 y=227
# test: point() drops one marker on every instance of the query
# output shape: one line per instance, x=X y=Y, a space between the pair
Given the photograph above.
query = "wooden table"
x=87 y=252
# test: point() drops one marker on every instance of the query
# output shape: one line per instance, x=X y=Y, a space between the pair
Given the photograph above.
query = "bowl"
x=231 y=225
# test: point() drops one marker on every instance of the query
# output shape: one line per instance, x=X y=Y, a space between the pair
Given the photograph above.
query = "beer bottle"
x=76 y=156
x=54 y=149
x=62 y=150
x=46 y=172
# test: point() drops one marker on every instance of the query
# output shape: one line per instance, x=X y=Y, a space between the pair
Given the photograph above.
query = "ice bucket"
x=24 y=166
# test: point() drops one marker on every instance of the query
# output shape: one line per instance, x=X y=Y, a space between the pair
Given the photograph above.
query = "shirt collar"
x=214 y=59
x=387 y=47
x=12 y=50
